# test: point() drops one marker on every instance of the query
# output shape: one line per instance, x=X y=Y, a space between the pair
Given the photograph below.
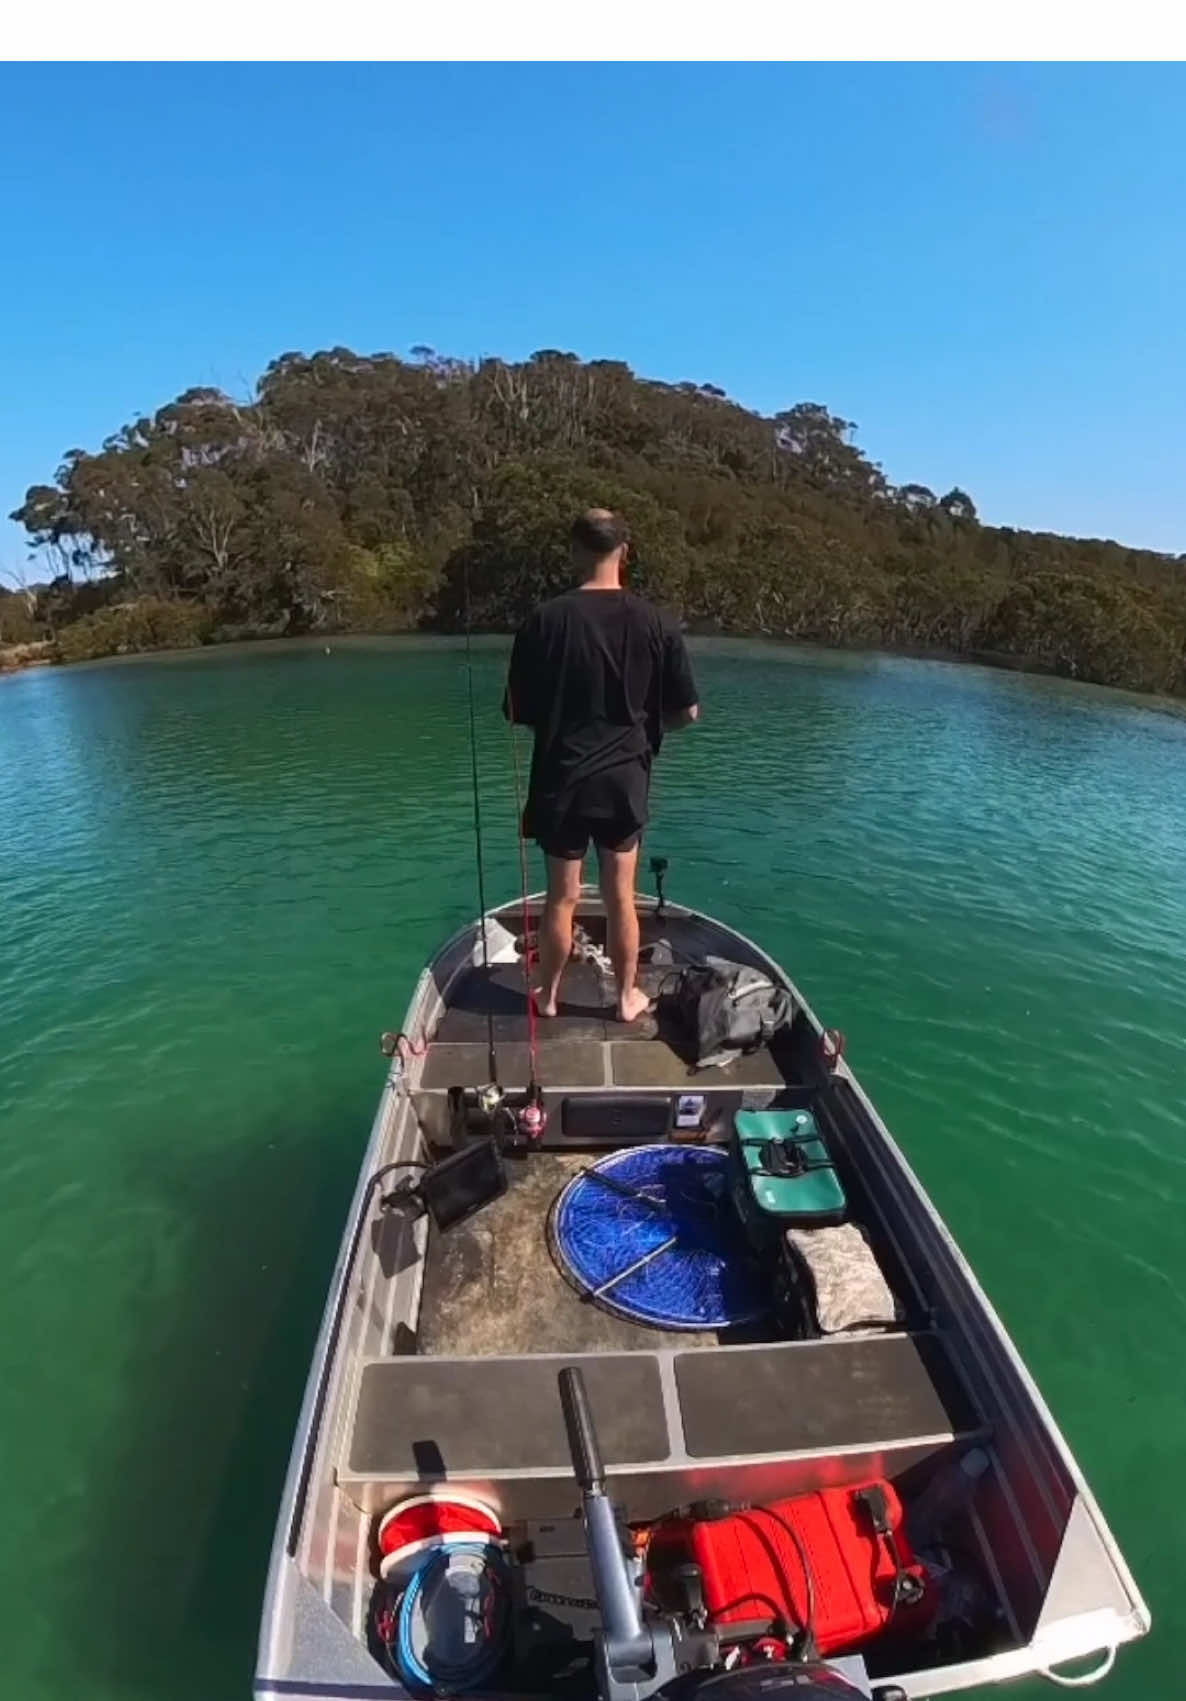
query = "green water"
x=219 y=876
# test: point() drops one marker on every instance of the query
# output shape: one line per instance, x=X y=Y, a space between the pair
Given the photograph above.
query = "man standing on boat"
x=599 y=675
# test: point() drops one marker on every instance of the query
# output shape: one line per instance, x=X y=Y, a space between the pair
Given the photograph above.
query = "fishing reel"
x=529 y=1119
x=490 y=1098
x=516 y=1121
x=532 y=1117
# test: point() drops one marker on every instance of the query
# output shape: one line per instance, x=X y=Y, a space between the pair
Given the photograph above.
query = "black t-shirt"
x=595 y=673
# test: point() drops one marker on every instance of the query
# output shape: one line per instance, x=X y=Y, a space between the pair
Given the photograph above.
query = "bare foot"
x=544 y=1006
x=633 y=1004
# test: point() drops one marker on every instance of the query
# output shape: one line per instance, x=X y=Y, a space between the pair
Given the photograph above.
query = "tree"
x=372 y=491
x=958 y=504
x=818 y=446
x=19 y=622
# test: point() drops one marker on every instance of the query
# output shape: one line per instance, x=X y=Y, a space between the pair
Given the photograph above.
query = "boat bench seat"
x=429 y=1417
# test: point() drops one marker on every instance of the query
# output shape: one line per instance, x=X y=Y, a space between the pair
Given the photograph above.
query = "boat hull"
x=1063 y=1589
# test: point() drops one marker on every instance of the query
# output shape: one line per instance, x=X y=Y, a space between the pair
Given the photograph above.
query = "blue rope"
x=666 y=1210
x=445 y=1676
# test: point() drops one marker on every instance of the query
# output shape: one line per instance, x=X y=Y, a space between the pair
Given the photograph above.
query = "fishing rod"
x=532 y=1118
x=491 y=1056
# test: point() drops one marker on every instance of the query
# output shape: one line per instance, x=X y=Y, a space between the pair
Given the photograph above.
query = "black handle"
x=689 y=1579
x=582 y=1437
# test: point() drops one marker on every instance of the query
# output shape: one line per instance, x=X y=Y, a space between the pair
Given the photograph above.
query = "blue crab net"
x=652 y=1235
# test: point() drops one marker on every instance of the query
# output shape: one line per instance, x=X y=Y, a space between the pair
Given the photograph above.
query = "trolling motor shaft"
x=659 y=867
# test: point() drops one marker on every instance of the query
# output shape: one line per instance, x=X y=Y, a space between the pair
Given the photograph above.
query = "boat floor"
x=491 y=1285
x=583 y=1047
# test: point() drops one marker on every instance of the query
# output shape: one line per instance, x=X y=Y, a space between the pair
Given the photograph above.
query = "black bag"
x=725 y=1009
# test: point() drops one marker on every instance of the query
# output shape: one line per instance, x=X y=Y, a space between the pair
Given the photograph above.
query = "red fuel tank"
x=753 y=1570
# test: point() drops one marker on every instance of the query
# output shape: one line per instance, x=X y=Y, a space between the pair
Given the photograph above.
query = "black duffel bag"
x=726 y=1009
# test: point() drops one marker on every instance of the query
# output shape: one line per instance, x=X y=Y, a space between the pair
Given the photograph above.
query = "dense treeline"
x=374 y=493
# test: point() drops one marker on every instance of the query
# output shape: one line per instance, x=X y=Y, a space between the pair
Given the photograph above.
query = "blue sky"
x=984 y=266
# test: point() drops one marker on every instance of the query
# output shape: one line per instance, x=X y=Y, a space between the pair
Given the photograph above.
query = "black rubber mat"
x=423 y=1417
x=562 y=1063
x=657 y=1065
x=581 y=1015
x=813 y=1395
x=565 y=1063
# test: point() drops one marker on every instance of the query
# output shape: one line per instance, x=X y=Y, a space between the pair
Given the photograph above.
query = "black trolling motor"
x=659 y=867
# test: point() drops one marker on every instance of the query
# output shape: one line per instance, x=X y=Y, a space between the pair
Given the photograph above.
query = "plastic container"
x=753 y=1572
x=786 y=1177
x=401 y=1564
x=426 y=1515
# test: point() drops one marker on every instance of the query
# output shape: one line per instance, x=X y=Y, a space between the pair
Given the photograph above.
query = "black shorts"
x=610 y=809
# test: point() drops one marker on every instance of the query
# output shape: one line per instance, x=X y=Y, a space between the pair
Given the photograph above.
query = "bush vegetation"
x=373 y=493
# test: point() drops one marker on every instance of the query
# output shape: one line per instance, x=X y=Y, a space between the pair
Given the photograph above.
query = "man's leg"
x=555 y=929
x=617 y=892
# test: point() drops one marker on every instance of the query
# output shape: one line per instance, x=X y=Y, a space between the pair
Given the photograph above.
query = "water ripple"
x=220 y=877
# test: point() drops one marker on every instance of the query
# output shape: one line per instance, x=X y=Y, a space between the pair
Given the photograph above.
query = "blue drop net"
x=669 y=1206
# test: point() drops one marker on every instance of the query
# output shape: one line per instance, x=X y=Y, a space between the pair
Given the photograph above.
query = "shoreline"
x=18 y=658
x=995 y=661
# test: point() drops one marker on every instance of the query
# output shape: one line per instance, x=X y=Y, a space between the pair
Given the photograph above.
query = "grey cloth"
x=730 y=1008
x=850 y=1290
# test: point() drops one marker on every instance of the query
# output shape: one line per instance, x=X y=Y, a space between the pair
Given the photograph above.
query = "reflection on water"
x=220 y=877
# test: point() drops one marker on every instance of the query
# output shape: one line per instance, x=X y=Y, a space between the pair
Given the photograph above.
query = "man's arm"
x=681 y=702
x=518 y=701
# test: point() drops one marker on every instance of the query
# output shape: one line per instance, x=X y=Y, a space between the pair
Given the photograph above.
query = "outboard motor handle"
x=633 y=1657
x=628 y=1646
x=582 y=1437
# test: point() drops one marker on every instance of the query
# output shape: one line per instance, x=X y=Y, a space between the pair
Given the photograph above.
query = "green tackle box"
x=785 y=1177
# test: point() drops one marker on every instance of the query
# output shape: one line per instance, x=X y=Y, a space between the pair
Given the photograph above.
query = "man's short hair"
x=598 y=533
